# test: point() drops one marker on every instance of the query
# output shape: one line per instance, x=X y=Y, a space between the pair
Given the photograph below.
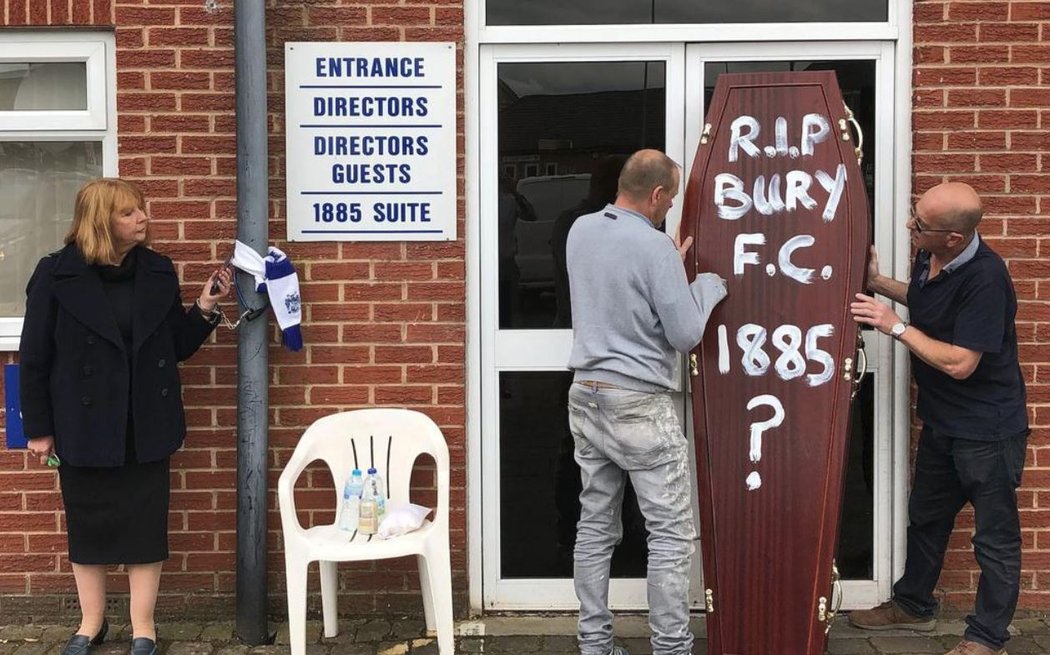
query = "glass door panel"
x=564 y=130
x=540 y=484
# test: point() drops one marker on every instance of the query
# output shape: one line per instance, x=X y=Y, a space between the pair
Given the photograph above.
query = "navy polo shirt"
x=969 y=304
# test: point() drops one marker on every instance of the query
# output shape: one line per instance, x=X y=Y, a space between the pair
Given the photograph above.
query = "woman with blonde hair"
x=101 y=397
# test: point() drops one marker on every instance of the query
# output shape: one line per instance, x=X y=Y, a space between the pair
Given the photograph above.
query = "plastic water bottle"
x=350 y=516
x=380 y=494
x=373 y=504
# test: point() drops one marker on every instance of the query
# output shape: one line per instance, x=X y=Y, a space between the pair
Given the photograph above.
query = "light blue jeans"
x=620 y=433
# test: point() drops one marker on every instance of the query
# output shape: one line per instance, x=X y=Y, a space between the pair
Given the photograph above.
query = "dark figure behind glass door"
x=512 y=207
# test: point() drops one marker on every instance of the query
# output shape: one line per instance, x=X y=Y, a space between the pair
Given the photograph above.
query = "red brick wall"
x=981 y=114
x=384 y=323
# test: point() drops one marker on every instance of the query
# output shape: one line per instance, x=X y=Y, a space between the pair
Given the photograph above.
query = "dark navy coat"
x=74 y=366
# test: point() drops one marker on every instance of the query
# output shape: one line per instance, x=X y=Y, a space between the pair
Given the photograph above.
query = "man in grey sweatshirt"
x=633 y=313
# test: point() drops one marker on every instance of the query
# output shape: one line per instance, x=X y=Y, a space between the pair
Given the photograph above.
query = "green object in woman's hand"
x=53 y=461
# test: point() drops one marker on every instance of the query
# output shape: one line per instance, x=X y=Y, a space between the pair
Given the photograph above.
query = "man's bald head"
x=644 y=171
x=953 y=206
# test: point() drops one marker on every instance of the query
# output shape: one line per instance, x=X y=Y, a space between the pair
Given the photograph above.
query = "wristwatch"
x=898 y=329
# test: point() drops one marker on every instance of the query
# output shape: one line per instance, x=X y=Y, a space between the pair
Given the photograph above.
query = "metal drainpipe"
x=252 y=370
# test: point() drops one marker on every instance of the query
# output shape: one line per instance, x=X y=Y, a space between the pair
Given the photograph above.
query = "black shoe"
x=143 y=646
x=79 y=644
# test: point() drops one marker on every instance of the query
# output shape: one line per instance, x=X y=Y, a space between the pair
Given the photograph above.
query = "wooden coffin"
x=777 y=206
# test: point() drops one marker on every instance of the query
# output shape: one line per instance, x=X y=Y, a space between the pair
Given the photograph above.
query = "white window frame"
x=898 y=14
x=97 y=50
x=90 y=53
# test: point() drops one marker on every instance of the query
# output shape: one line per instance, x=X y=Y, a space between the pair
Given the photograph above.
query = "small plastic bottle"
x=373 y=504
x=380 y=494
x=369 y=523
x=350 y=514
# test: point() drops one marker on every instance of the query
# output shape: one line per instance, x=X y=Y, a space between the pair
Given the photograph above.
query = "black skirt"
x=117 y=515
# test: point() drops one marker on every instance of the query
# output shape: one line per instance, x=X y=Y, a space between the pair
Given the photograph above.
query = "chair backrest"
x=389 y=439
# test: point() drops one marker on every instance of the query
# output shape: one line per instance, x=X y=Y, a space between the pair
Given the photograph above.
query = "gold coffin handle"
x=836 y=596
x=859 y=149
x=705 y=136
x=862 y=365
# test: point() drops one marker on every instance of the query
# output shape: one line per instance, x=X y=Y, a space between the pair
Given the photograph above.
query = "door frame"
x=543 y=349
x=481 y=43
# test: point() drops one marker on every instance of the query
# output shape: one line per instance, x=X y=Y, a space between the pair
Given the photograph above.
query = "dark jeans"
x=948 y=474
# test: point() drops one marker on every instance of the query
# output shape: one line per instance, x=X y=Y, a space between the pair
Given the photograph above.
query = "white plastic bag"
x=402 y=518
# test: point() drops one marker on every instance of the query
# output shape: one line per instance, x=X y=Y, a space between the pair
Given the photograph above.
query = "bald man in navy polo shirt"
x=963 y=343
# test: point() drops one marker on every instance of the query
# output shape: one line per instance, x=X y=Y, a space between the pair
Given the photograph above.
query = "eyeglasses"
x=920 y=228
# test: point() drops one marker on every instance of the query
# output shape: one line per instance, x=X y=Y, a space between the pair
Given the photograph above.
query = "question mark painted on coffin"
x=754 y=480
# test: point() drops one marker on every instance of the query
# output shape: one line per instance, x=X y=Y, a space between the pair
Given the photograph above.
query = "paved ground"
x=495 y=636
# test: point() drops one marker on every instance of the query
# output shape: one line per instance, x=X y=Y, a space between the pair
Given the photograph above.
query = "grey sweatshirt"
x=632 y=307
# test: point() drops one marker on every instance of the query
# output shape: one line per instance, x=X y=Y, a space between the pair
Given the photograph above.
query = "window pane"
x=633 y=12
x=38 y=183
x=564 y=129
x=43 y=86
x=856 y=554
x=540 y=484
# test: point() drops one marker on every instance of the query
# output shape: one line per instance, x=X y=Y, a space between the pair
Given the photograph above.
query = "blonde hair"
x=93 y=211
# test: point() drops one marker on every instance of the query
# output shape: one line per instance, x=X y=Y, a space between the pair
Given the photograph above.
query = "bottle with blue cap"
x=350 y=512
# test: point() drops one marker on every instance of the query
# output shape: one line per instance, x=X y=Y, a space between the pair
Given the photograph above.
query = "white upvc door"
x=513 y=351
x=517 y=356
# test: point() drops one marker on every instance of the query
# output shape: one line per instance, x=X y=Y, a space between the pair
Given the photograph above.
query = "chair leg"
x=439 y=571
x=330 y=597
x=428 y=592
x=295 y=575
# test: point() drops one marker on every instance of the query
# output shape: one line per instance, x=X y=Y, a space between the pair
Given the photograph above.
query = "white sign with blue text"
x=371 y=141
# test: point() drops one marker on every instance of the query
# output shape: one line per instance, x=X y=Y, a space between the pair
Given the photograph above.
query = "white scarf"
x=275 y=275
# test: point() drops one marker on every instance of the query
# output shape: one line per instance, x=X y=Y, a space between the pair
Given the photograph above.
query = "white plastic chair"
x=397 y=437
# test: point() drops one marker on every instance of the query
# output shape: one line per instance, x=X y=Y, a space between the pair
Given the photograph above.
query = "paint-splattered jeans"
x=620 y=433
